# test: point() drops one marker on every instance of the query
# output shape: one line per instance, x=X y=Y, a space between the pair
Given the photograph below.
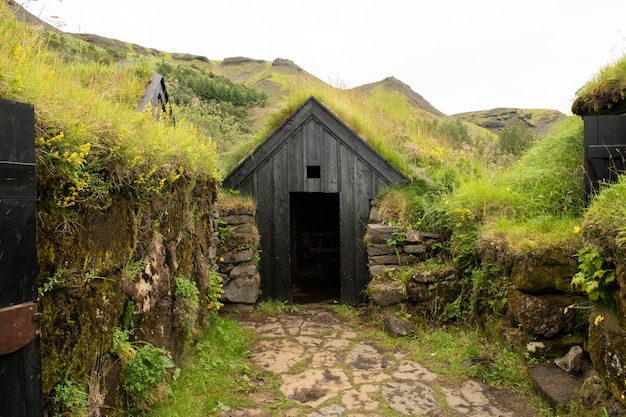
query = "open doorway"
x=315 y=253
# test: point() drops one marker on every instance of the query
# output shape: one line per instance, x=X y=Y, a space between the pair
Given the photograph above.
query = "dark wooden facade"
x=605 y=149
x=313 y=152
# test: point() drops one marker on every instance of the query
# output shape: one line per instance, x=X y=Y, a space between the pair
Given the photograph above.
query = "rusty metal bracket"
x=19 y=325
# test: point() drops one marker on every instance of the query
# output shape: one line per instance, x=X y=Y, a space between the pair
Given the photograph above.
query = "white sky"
x=460 y=55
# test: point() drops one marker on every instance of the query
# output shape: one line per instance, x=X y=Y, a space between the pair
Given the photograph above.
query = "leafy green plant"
x=187 y=296
x=54 y=281
x=215 y=289
x=70 y=399
x=595 y=274
x=146 y=377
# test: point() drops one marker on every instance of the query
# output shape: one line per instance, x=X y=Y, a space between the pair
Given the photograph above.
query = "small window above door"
x=313 y=171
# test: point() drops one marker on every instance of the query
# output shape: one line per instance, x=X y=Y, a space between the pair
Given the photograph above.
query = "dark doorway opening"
x=315 y=253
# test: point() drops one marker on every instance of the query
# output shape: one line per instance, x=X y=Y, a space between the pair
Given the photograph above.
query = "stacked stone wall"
x=542 y=305
x=237 y=258
x=394 y=253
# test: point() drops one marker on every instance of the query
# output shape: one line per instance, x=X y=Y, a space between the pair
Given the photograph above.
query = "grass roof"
x=604 y=92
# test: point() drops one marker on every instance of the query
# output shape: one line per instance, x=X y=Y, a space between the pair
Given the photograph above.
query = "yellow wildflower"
x=598 y=319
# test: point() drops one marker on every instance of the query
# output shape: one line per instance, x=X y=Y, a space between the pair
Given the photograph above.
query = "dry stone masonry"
x=394 y=253
x=237 y=257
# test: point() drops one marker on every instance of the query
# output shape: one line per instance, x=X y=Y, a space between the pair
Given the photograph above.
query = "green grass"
x=272 y=307
x=216 y=374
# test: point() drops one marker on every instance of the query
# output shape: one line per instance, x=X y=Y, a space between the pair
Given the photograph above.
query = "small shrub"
x=516 y=139
x=595 y=274
x=70 y=399
x=146 y=377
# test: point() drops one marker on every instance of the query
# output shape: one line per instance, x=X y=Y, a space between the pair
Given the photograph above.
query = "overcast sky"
x=460 y=55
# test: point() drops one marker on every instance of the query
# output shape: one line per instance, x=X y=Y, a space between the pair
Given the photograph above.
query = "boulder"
x=533 y=277
x=375 y=216
x=442 y=292
x=572 y=362
x=542 y=315
x=414 y=249
x=385 y=292
x=241 y=290
x=607 y=349
x=397 y=327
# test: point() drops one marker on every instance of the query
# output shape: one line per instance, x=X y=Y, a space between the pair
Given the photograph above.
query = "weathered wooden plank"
x=312 y=141
x=330 y=163
x=265 y=220
x=297 y=166
x=17 y=132
x=282 y=223
x=363 y=180
x=347 y=217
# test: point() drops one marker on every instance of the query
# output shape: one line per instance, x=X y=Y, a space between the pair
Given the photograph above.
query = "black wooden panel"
x=312 y=108
x=330 y=164
x=265 y=223
x=605 y=149
x=363 y=195
x=347 y=217
x=282 y=236
x=312 y=144
x=18 y=254
x=297 y=166
x=17 y=180
x=312 y=140
x=17 y=132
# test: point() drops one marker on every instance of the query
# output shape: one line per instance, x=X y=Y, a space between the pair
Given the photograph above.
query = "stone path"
x=328 y=370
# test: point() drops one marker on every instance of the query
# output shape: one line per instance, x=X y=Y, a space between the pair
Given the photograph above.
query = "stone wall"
x=542 y=305
x=238 y=257
x=101 y=269
x=393 y=255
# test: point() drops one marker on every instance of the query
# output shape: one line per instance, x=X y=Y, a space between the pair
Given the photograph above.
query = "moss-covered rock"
x=540 y=277
x=542 y=315
x=607 y=349
x=386 y=292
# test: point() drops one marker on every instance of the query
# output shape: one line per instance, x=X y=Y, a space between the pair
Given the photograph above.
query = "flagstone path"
x=327 y=369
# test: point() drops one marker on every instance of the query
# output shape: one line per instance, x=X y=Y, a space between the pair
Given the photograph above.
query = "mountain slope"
x=392 y=84
x=539 y=121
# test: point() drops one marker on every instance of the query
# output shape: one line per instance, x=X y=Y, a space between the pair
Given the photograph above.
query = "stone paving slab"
x=328 y=371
